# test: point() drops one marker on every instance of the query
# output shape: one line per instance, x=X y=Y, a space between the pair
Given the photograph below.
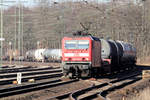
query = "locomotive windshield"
x=76 y=44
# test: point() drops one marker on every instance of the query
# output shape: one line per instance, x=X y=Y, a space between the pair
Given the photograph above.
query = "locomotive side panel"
x=96 y=54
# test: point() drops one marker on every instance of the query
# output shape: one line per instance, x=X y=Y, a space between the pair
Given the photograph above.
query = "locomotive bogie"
x=77 y=70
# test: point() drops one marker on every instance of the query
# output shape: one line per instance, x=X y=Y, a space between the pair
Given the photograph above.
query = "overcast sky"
x=34 y=2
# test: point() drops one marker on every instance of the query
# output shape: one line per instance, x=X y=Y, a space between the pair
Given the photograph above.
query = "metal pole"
x=1 y=32
x=19 y=30
x=15 y=29
x=22 y=31
x=63 y=13
x=63 y=22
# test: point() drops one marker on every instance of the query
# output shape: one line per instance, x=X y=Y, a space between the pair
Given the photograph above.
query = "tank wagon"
x=47 y=55
x=52 y=55
x=84 y=56
x=39 y=54
x=35 y=55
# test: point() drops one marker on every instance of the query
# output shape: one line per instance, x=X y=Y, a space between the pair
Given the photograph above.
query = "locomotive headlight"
x=86 y=58
x=66 y=58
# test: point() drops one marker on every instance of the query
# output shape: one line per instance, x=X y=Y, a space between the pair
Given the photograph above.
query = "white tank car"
x=52 y=54
x=39 y=54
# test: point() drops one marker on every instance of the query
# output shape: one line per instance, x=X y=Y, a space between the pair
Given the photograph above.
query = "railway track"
x=27 y=63
x=24 y=69
x=37 y=74
x=29 y=73
x=97 y=91
x=5 y=92
x=100 y=91
x=7 y=81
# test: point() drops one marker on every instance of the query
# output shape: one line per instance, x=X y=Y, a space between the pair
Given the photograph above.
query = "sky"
x=29 y=3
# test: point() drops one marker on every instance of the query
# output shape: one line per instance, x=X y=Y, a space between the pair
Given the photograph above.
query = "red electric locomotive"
x=81 y=56
x=91 y=56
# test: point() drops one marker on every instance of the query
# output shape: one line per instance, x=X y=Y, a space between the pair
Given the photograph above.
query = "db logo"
x=76 y=54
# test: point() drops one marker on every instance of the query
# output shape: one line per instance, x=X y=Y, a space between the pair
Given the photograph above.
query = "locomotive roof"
x=92 y=37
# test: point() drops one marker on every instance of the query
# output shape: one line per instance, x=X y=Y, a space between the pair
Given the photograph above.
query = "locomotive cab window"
x=83 y=44
x=70 y=44
x=76 y=44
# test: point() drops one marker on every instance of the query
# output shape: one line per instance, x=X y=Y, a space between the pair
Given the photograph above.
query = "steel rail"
x=102 y=95
x=77 y=93
x=26 y=78
x=32 y=87
x=8 y=75
x=61 y=96
x=14 y=70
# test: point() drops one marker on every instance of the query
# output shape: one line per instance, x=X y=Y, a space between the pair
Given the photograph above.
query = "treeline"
x=47 y=22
